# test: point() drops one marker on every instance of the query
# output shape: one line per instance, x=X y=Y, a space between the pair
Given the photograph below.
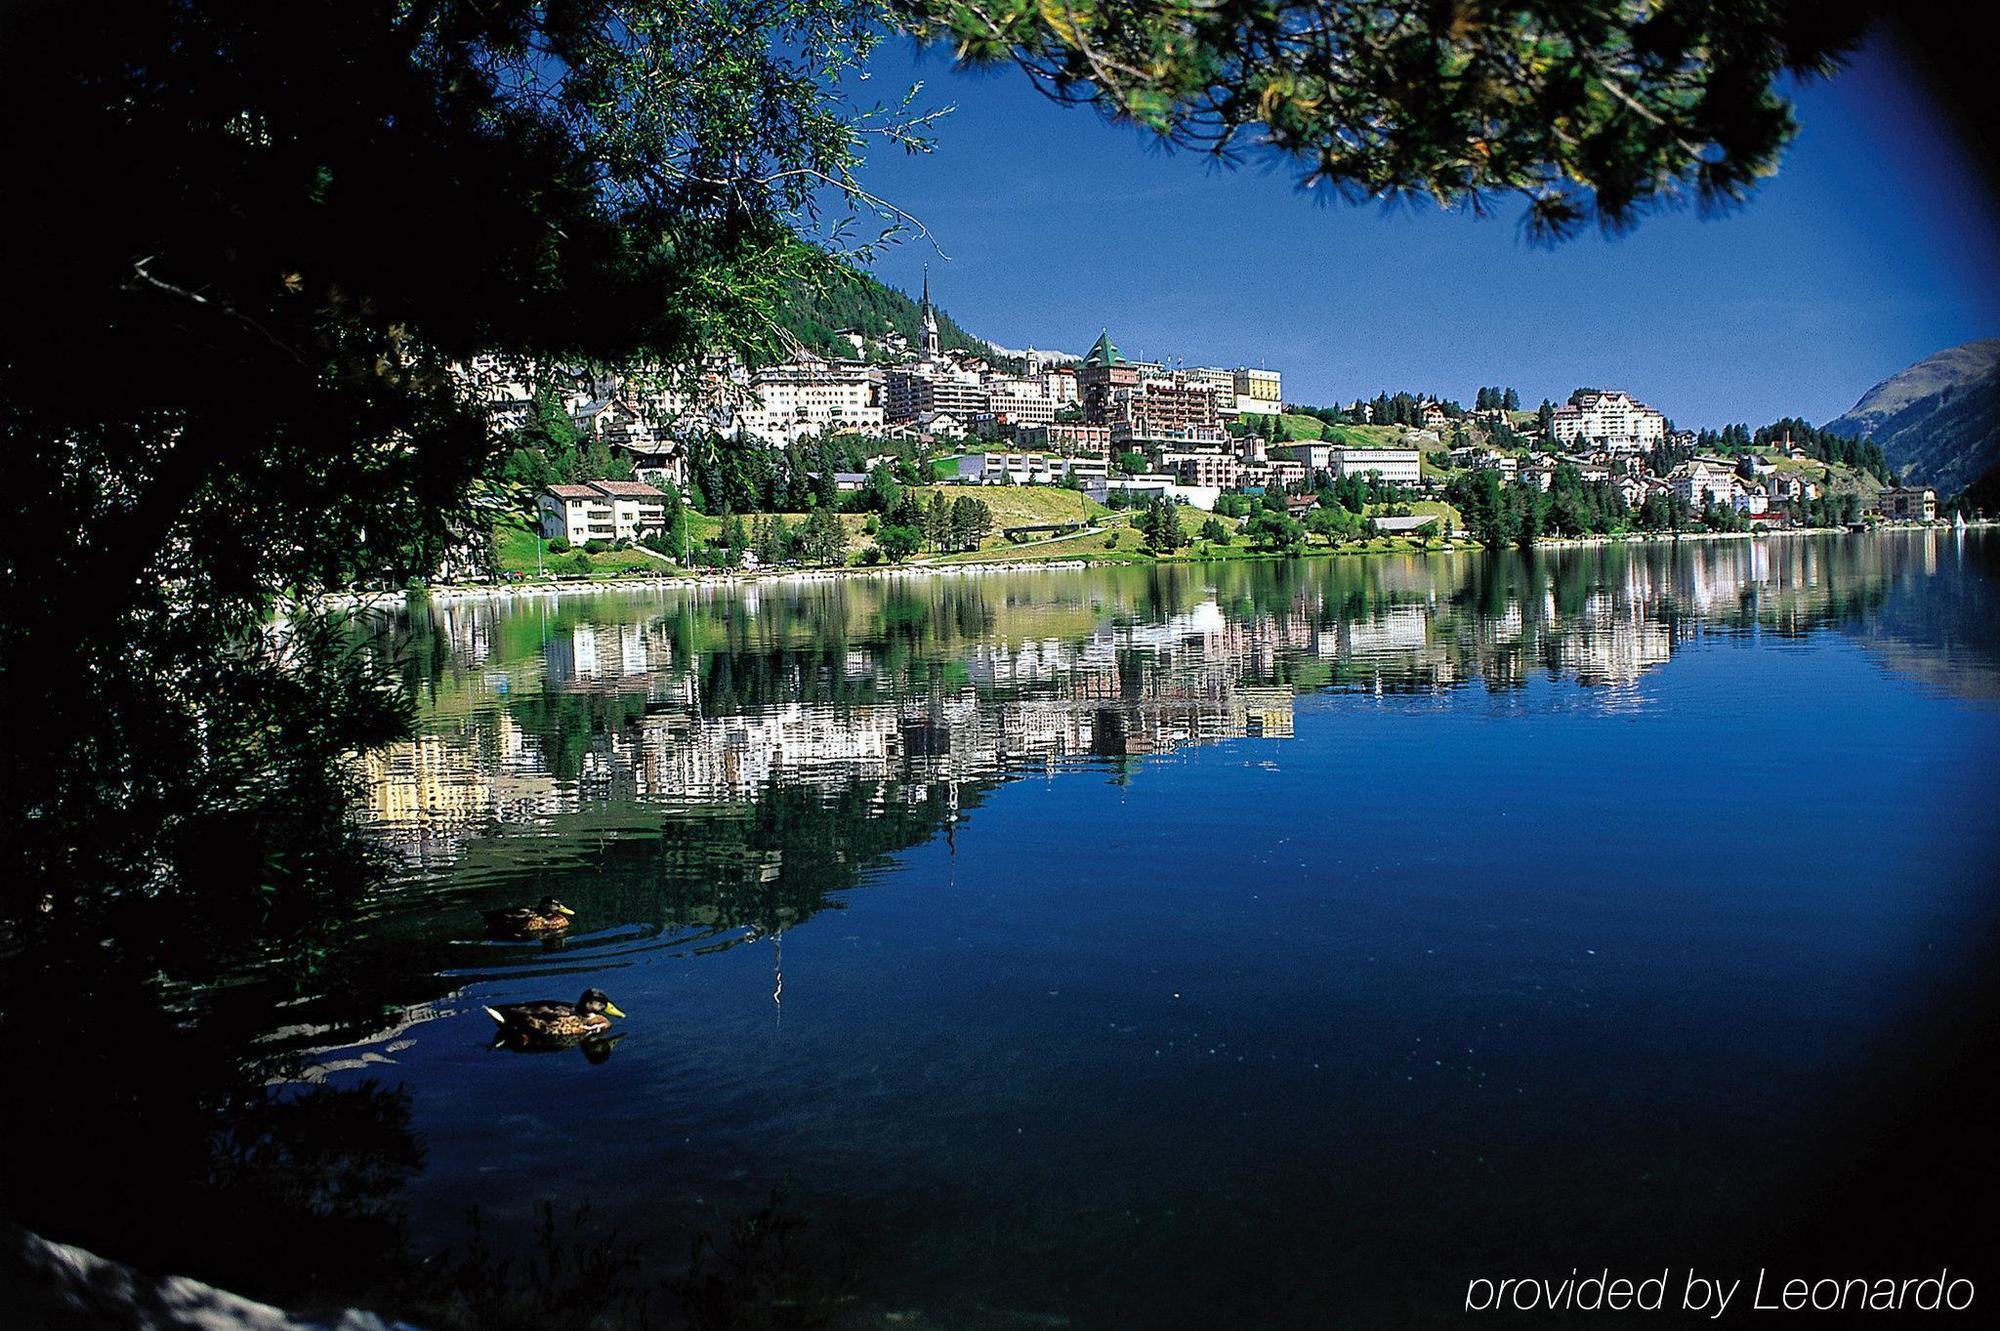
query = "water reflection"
x=550 y=710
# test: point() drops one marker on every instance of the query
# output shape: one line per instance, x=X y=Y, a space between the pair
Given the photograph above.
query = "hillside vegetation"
x=815 y=317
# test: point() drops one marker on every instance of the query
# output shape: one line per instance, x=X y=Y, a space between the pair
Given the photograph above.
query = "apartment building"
x=1166 y=408
x=1072 y=437
x=1258 y=392
x=1398 y=466
x=1909 y=503
x=1103 y=373
x=911 y=394
x=1022 y=401
x=602 y=511
x=1700 y=485
x=806 y=398
x=1283 y=473
x=1612 y=420
x=1222 y=383
x=1311 y=456
x=1027 y=469
x=1207 y=467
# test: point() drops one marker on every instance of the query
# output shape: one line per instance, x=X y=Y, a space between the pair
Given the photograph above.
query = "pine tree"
x=937 y=522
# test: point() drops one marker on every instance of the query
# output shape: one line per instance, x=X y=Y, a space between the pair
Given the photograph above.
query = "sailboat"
x=1958 y=520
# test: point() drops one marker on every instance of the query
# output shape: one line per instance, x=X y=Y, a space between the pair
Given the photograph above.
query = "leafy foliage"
x=239 y=393
x=1586 y=108
x=899 y=543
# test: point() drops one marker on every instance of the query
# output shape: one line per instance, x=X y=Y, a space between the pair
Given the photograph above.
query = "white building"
x=1611 y=420
x=1207 y=467
x=602 y=511
x=1024 y=400
x=910 y=392
x=1397 y=466
x=1313 y=457
x=1144 y=489
x=1701 y=485
x=806 y=398
x=1028 y=468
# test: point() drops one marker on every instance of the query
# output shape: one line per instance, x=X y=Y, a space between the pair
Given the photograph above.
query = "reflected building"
x=685 y=699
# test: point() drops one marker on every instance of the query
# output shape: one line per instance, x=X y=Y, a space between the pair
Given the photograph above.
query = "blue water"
x=1273 y=945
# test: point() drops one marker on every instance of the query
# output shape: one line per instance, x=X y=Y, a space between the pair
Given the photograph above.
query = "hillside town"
x=1129 y=433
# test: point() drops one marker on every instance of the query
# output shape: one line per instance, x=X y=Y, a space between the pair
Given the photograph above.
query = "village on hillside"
x=834 y=460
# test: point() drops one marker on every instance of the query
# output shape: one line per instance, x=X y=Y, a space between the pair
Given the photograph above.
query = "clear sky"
x=1876 y=246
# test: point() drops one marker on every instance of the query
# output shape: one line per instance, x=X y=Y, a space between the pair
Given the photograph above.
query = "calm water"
x=1264 y=945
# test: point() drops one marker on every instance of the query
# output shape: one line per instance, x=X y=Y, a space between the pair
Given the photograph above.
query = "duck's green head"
x=594 y=1001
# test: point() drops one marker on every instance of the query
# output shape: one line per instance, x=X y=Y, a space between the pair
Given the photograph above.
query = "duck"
x=550 y=1023
x=550 y=917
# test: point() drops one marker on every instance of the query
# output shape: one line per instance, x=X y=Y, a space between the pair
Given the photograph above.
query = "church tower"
x=930 y=353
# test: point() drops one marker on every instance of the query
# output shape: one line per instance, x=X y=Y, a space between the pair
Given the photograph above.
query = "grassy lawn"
x=1020 y=505
x=1118 y=540
x=1123 y=548
x=514 y=552
x=1366 y=436
x=1441 y=509
x=1303 y=427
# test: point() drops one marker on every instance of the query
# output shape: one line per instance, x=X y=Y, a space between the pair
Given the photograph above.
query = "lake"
x=1248 y=944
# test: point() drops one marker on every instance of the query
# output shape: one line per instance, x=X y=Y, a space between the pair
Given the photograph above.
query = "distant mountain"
x=1049 y=355
x=1938 y=422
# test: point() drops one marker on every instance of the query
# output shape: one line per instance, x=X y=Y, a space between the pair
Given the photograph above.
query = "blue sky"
x=1874 y=247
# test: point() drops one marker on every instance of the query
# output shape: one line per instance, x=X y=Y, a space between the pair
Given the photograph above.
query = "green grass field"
x=514 y=552
x=1366 y=436
x=1440 y=508
x=1304 y=427
x=1020 y=505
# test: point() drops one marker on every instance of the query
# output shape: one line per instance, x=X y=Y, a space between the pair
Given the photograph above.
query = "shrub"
x=558 y=545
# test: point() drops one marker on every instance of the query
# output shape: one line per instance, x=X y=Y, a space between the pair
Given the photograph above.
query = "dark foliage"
x=1589 y=111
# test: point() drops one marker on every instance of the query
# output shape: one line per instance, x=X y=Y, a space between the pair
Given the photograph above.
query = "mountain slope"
x=1938 y=421
x=814 y=317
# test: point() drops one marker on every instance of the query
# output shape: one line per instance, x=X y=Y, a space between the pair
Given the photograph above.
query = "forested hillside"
x=816 y=316
x=1823 y=444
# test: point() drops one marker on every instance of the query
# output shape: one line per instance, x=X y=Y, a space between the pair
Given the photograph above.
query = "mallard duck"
x=549 y=1023
x=551 y=917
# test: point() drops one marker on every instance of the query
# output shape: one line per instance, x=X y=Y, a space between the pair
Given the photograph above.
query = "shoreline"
x=733 y=579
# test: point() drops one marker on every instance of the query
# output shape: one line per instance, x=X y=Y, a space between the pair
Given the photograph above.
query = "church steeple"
x=930 y=339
